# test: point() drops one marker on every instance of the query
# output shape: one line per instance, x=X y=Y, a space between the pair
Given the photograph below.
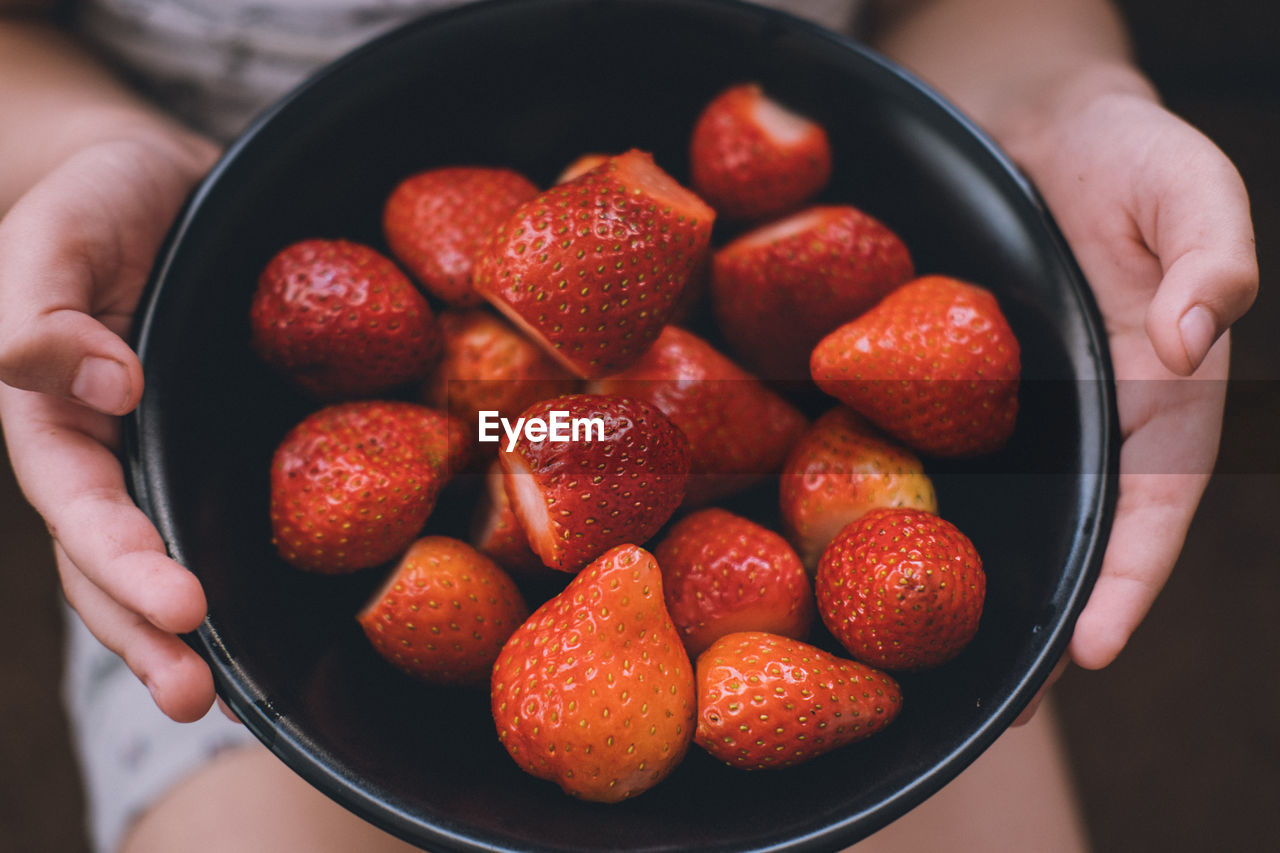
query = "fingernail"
x=102 y=384
x=1198 y=332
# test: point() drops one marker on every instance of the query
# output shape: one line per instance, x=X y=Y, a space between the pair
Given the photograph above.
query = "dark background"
x=1174 y=747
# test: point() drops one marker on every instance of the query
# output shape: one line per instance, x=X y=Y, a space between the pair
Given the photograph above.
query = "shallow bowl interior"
x=531 y=86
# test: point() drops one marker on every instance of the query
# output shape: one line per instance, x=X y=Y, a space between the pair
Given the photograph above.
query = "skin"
x=1156 y=215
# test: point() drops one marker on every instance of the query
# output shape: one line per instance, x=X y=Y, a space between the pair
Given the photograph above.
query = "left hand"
x=1158 y=219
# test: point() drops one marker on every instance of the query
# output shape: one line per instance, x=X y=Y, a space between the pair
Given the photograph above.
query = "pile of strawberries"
x=702 y=637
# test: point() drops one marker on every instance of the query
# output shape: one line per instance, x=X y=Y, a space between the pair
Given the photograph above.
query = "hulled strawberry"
x=594 y=691
x=722 y=573
x=437 y=220
x=766 y=701
x=444 y=613
x=752 y=158
x=341 y=320
x=777 y=290
x=352 y=484
x=601 y=471
x=711 y=399
x=496 y=531
x=840 y=469
x=592 y=269
x=901 y=589
x=485 y=364
x=935 y=365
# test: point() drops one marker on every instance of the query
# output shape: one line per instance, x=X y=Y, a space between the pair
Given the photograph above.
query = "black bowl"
x=531 y=86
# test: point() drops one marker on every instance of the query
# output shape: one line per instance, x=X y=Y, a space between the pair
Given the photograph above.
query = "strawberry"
x=497 y=532
x=341 y=320
x=592 y=269
x=444 y=613
x=752 y=158
x=488 y=365
x=935 y=365
x=436 y=221
x=581 y=166
x=777 y=290
x=722 y=573
x=766 y=701
x=710 y=398
x=352 y=484
x=619 y=483
x=838 y=471
x=901 y=589
x=595 y=692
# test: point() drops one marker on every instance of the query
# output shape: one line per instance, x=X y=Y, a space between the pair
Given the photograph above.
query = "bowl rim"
x=251 y=703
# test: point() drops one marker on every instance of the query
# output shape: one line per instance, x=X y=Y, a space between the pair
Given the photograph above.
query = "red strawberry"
x=576 y=499
x=766 y=701
x=444 y=613
x=710 y=398
x=592 y=269
x=840 y=469
x=935 y=365
x=436 y=221
x=751 y=158
x=352 y=484
x=497 y=532
x=901 y=589
x=341 y=320
x=778 y=289
x=487 y=365
x=581 y=166
x=722 y=573
x=594 y=692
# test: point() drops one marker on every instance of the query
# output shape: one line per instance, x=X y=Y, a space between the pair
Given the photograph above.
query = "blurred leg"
x=1017 y=796
x=247 y=801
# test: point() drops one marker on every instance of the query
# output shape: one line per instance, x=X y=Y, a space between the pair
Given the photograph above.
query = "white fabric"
x=218 y=63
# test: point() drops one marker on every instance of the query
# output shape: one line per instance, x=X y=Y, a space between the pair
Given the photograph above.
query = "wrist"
x=1029 y=123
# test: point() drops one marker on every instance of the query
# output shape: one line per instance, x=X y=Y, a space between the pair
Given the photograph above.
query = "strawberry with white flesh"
x=444 y=613
x=618 y=481
x=766 y=702
x=751 y=158
x=722 y=573
x=437 y=220
x=485 y=364
x=594 y=691
x=710 y=398
x=496 y=531
x=352 y=484
x=581 y=166
x=341 y=320
x=841 y=469
x=935 y=364
x=777 y=290
x=593 y=269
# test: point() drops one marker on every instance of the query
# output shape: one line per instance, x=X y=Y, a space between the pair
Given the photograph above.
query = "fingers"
x=1202 y=233
x=180 y=682
x=1165 y=464
x=1151 y=522
x=76 y=484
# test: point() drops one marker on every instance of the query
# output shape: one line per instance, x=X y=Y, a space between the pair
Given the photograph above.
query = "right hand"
x=75 y=252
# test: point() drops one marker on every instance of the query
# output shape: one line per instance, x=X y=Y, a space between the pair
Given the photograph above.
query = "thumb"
x=1204 y=240
x=75 y=252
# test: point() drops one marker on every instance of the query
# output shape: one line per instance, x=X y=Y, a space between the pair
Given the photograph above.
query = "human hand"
x=75 y=252
x=1158 y=219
